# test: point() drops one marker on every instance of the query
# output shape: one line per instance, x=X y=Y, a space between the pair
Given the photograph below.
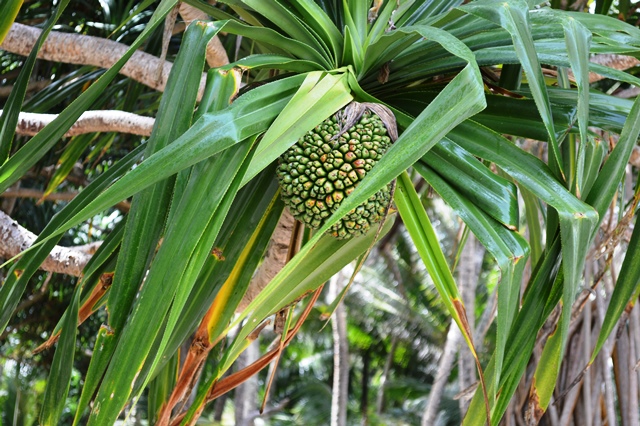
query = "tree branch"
x=32 y=86
x=64 y=260
x=88 y=50
x=445 y=365
x=125 y=122
x=30 y=123
x=274 y=259
x=216 y=54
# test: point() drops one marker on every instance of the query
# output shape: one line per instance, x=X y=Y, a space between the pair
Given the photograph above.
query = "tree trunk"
x=246 y=396
x=218 y=407
x=444 y=370
x=364 y=399
x=385 y=375
x=340 y=390
x=604 y=357
x=468 y=268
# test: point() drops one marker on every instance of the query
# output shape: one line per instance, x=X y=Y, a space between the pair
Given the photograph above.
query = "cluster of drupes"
x=326 y=165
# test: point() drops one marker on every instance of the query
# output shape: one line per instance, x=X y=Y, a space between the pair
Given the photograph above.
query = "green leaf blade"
x=13 y=169
x=59 y=380
x=11 y=111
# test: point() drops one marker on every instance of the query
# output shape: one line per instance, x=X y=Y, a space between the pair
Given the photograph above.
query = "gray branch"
x=87 y=50
x=64 y=260
x=29 y=124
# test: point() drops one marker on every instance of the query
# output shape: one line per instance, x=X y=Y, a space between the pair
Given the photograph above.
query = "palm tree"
x=464 y=82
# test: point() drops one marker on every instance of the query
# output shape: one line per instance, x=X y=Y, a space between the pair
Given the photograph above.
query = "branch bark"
x=29 y=124
x=340 y=388
x=273 y=261
x=216 y=54
x=64 y=260
x=468 y=270
x=445 y=365
x=245 y=400
x=88 y=50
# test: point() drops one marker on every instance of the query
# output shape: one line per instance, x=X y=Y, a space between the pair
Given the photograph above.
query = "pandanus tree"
x=448 y=88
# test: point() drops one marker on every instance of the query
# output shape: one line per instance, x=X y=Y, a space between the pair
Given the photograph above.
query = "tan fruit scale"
x=326 y=165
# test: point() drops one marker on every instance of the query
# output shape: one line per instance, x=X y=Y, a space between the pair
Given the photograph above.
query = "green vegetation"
x=504 y=206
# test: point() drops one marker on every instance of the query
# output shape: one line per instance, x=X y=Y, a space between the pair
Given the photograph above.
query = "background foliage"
x=530 y=251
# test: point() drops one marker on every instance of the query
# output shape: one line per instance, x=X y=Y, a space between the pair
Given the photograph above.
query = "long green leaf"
x=518 y=117
x=613 y=169
x=278 y=43
x=8 y=12
x=245 y=230
x=104 y=346
x=251 y=114
x=422 y=11
x=596 y=151
x=325 y=259
x=318 y=20
x=356 y=11
x=11 y=111
x=272 y=61
x=282 y=17
x=540 y=298
x=186 y=236
x=493 y=194
x=606 y=26
x=55 y=394
x=624 y=293
x=462 y=98
x=522 y=166
x=239 y=278
x=532 y=206
x=424 y=237
x=149 y=208
x=577 y=220
x=600 y=198
x=514 y=17
x=202 y=250
x=545 y=377
x=22 y=271
x=221 y=89
x=12 y=170
x=509 y=249
x=578 y=39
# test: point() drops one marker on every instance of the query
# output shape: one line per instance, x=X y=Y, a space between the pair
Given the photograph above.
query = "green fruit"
x=326 y=165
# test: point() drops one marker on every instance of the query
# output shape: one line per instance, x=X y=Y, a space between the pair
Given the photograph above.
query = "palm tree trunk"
x=246 y=396
x=364 y=399
x=626 y=379
x=604 y=355
x=444 y=370
x=218 y=407
x=467 y=280
x=385 y=375
x=340 y=390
